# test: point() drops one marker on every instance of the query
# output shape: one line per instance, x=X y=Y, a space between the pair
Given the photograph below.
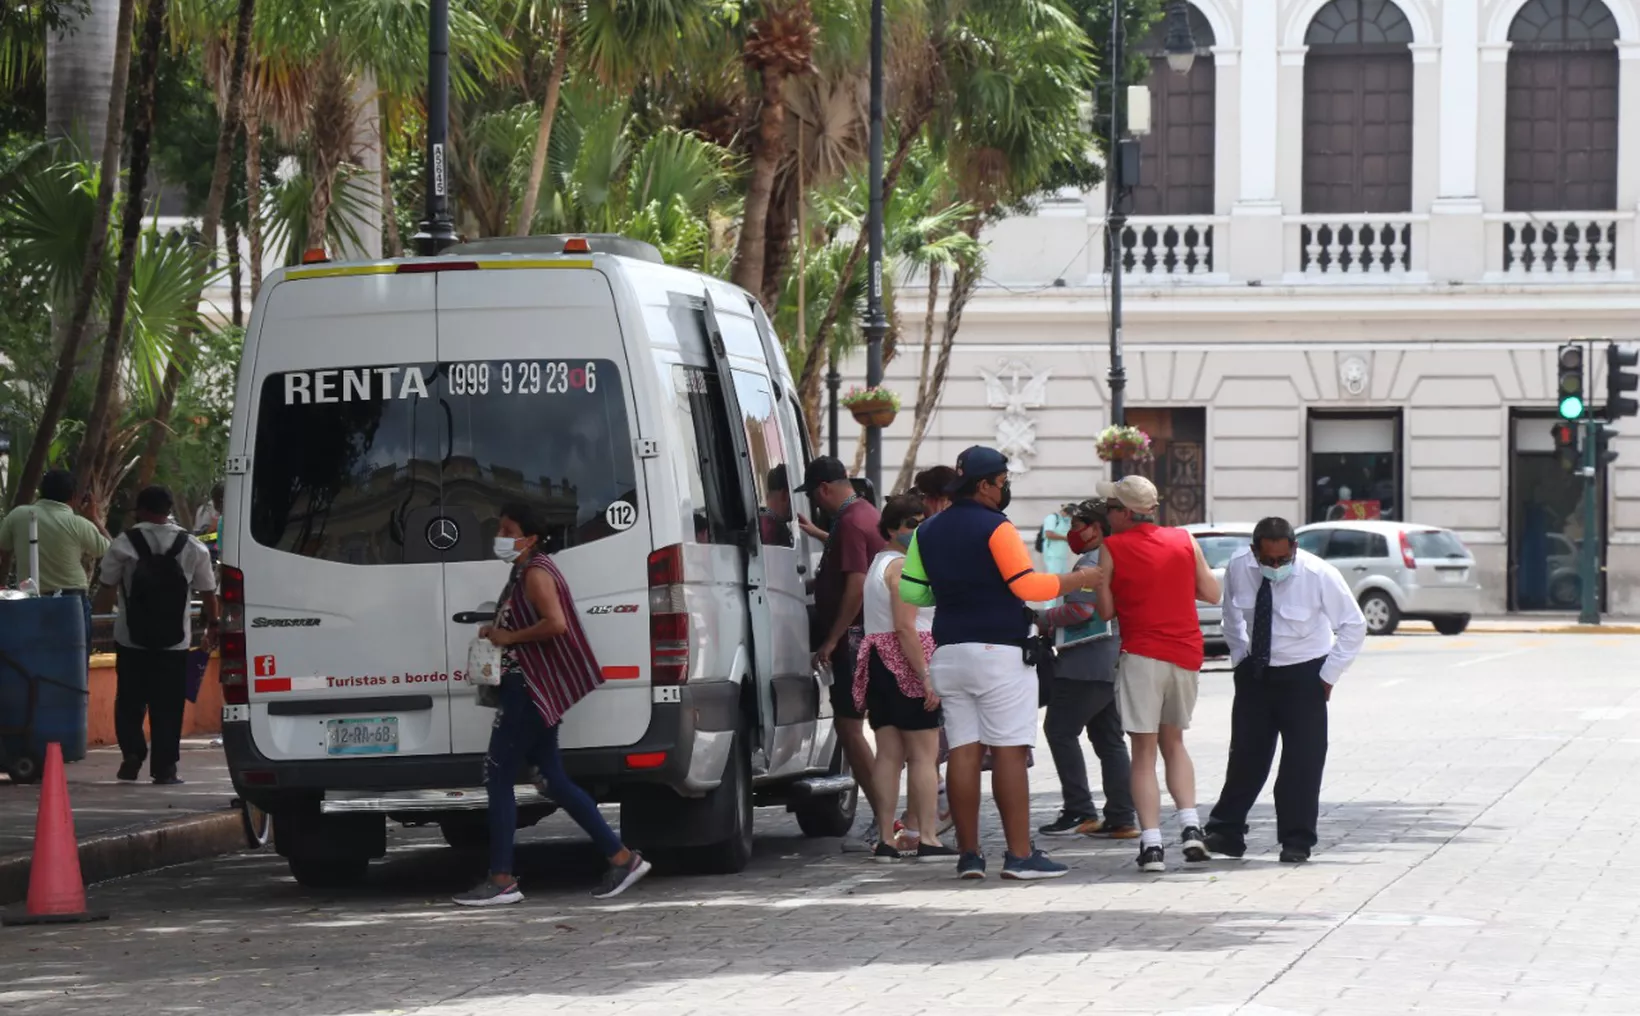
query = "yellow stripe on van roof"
x=336 y=271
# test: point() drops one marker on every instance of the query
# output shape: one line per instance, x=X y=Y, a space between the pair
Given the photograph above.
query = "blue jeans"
x=520 y=735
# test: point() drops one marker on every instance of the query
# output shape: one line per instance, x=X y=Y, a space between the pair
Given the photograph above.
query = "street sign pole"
x=1588 y=553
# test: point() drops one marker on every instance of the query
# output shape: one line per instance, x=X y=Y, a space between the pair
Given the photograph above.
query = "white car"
x=385 y=412
x=1219 y=544
x=1399 y=570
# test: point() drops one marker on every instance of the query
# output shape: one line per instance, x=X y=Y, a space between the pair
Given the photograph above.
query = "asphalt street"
x=1479 y=798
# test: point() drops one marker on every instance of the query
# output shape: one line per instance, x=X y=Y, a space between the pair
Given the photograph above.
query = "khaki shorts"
x=1152 y=692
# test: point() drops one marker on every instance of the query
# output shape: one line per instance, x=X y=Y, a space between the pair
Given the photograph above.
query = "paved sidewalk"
x=125 y=827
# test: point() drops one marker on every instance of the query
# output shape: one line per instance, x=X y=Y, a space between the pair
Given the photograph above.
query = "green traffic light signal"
x=1571 y=408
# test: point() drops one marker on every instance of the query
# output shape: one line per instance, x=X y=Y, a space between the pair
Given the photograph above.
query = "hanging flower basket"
x=872 y=407
x=1125 y=444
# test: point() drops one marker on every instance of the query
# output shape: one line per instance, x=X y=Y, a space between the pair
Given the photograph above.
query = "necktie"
x=1259 y=655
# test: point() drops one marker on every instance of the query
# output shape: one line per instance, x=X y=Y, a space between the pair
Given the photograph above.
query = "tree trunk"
x=331 y=132
x=90 y=272
x=181 y=352
x=777 y=239
x=392 y=245
x=808 y=380
x=543 y=135
x=253 y=196
x=90 y=459
x=770 y=146
x=364 y=148
x=928 y=396
x=81 y=64
x=235 y=280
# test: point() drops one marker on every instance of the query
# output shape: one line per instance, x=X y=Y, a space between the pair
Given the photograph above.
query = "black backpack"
x=156 y=599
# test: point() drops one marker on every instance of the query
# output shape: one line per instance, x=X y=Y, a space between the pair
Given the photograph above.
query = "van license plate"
x=375 y=736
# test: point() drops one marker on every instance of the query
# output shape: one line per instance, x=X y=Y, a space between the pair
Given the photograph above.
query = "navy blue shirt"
x=974 y=601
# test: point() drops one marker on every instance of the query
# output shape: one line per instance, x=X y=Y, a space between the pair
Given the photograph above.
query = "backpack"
x=156 y=599
x=1042 y=535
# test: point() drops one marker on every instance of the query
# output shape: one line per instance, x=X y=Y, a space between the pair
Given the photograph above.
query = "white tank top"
x=879 y=606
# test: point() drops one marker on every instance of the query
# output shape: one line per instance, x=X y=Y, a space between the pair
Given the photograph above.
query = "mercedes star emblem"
x=442 y=534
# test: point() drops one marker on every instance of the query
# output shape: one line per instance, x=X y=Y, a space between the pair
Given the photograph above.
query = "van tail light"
x=1406 y=552
x=233 y=672
x=428 y=267
x=668 y=618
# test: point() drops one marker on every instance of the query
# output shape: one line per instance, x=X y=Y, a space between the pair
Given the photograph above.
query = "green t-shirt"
x=68 y=542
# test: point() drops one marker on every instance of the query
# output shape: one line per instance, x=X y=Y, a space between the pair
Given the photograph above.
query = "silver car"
x=1219 y=544
x=1400 y=571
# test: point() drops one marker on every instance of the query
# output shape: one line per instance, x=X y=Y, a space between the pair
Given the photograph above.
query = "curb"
x=1558 y=629
x=113 y=855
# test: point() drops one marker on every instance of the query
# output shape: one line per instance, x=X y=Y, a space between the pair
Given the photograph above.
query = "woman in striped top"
x=547 y=667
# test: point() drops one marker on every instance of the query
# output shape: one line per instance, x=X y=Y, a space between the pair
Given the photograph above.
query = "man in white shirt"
x=155 y=579
x=1293 y=629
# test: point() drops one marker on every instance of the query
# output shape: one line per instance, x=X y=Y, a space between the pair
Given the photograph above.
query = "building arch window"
x=1560 y=134
x=1177 y=172
x=1358 y=109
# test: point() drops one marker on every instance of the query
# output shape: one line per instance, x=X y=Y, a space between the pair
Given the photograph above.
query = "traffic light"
x=1621 y=378
x=1566 y=450
x=1570 y=389
x=1602 y=446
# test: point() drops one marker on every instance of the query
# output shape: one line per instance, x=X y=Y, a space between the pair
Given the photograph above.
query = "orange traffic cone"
x=56 y=893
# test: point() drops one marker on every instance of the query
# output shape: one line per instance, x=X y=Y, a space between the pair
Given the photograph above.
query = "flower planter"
x=877 y=413
x=1123 y=444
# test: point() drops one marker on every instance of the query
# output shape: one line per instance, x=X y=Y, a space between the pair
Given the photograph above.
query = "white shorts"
x=988 y=693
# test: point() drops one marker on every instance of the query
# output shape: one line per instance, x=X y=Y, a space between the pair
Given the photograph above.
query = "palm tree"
x=81 y=71
x=92 y=442
x=91 y=267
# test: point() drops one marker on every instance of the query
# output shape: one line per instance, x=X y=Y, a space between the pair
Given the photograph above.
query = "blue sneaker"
x=971 y=866
x=1030 y=869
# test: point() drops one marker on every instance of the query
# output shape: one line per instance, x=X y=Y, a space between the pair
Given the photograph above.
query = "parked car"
x=1399 y=570
x=1219 y=544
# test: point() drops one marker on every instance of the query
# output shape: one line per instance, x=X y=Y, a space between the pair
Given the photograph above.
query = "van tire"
x=328 y=872
x=821 y=817
x=466 y=836
x=730 y=855
x=1382 y=615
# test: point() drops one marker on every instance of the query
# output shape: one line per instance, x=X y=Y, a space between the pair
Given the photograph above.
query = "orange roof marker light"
x=577 y=245
x=315 y=256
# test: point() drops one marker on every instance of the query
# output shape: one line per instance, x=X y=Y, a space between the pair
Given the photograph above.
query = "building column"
x=1255 y=218
x=1493 y=110
x=1628 y=148
x=1457 y=227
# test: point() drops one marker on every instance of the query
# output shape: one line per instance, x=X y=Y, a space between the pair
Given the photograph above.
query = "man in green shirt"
x=68 y=542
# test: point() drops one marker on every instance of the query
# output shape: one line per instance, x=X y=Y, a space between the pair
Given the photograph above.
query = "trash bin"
x=44 y=684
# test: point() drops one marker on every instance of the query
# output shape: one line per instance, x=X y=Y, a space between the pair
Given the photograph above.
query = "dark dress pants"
x=1286 y=702
x=151 y=683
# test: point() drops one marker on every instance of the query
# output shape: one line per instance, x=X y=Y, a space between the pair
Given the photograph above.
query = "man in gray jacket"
x=1083 y=698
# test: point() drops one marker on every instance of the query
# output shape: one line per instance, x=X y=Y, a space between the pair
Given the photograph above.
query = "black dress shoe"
x=129 y=770
x=1224 y=844
x=1294 y=855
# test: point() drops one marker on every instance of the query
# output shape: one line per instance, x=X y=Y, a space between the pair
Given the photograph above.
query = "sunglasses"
x=911 y=523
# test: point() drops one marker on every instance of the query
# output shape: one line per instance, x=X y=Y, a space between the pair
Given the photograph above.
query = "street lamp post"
x=876 y=321
x=437 y=230
x=1121 y=176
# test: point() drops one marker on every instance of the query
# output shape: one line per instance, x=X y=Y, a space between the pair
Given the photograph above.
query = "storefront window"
x=1355 y=467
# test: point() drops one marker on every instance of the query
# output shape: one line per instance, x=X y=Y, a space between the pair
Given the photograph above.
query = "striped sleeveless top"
x=558 y=672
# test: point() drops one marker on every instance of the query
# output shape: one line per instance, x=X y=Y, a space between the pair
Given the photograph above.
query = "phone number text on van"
x=377 y=384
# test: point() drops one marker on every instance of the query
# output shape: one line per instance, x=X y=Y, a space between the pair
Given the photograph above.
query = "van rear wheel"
x=730 y=855
x=832 y=815
x=467 y=835
x=328 y=872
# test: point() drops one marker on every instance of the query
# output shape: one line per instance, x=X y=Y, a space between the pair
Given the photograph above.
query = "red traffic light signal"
x=1566 y=450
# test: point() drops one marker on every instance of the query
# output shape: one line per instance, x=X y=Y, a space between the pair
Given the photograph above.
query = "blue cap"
x=976 y=464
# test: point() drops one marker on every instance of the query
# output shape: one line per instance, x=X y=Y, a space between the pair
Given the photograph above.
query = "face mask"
x=1276 y=574
x=1080 y=540
x=1007 y=496
x=904 y=539
x=506 y=548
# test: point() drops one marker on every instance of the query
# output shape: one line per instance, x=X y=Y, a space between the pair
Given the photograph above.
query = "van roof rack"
x=601 y=243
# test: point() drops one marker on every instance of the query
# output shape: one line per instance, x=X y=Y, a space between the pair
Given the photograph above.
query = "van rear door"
x=344 y=642
x=537 y=392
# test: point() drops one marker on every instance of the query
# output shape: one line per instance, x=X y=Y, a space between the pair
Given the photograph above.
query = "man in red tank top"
x=1152 y=579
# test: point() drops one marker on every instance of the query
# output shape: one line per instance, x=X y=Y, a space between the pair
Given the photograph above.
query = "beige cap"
x=1104 y=489
x=1136 y=494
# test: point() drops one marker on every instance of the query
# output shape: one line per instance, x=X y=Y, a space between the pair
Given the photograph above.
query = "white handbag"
x=483 y=662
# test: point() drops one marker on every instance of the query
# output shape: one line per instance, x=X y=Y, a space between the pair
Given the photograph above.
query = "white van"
x=385 y=412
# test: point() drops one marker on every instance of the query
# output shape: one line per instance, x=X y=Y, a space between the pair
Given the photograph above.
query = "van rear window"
x=351 y=463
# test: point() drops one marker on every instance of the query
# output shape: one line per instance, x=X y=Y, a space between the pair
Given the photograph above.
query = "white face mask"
x=506 y=548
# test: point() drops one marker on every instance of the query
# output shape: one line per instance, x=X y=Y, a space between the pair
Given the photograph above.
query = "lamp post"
x=1122 y=175
x=437 y=230
x=876 y=321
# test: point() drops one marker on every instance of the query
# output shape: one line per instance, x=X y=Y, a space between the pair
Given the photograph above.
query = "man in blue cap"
x=970 y=561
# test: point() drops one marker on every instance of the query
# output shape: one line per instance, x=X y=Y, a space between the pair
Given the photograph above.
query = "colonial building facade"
x=1364 y=228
